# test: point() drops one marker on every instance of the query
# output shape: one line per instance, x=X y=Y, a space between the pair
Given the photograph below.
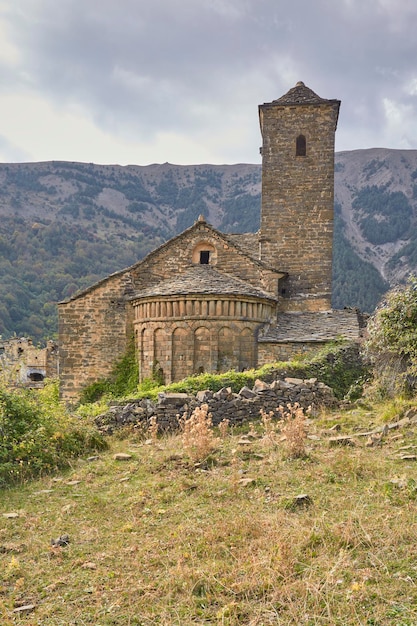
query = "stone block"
x=294 y=381
x=245 y=392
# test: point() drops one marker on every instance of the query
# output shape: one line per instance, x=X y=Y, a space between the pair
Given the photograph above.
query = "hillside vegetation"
x=66 y=225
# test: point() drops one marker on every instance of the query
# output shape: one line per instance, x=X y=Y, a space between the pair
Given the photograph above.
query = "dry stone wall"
x=223 y=404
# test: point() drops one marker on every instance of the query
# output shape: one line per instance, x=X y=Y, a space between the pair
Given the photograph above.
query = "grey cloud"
x=11 y=152
x=185 y=65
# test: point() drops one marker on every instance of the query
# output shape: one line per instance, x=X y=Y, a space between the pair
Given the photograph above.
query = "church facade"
x=206 y=301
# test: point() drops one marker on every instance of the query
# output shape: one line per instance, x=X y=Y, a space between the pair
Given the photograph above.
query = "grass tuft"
x=198 y=437
x=294 y=430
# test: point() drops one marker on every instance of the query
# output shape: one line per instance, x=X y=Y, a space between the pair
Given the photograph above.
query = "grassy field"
x=249 y=533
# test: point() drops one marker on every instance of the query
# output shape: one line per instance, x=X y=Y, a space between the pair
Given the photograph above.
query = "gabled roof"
x=300 y=94
x=202 y=280
x=314 y=327
x=229 y=239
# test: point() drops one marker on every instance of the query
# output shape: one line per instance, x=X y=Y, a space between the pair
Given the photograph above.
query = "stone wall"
x=94 y=330
x=285 y=351
x=176 y=256
x=236 y=407
x=176 y=349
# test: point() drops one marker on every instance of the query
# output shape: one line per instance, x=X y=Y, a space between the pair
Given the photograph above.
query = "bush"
x=392 y=342
x=339 y=365
x=38 y=436
x=122 y=381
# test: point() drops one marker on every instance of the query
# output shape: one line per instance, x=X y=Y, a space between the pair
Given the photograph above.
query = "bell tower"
x=296 y=235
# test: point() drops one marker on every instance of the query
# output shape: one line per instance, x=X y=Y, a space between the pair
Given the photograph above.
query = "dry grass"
x=286 y=427
x=294 y=430
x=153 y=429
x=198 y=437
x=156 y=541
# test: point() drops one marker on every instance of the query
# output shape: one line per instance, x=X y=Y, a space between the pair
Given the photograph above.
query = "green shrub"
x=122 y=381
x=95 y=391
x=37 y=435
x=392 y=342
x=339 y=365
x=342 y=368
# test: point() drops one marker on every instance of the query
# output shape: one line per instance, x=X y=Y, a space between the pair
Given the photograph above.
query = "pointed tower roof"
x=300 y=95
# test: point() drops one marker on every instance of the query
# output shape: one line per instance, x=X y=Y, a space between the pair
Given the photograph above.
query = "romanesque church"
x=206 y=301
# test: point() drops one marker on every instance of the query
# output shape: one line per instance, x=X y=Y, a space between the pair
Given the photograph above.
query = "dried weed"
x=198 y=437
x=294 y=430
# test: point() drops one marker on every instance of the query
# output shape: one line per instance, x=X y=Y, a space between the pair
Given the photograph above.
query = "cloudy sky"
x=149 y=81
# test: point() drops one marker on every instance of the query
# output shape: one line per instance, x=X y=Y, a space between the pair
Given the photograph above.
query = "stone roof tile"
x=203 y=279
x=300 y=94
x=249 y=242
x=320 y=326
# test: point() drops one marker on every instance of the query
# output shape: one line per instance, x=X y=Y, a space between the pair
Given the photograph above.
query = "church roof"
x=300 y=94
x=246 y=243
x=249 y=242
x=204 y=280
x=312 y=326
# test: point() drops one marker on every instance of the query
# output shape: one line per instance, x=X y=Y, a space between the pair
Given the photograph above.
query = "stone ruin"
x=22 y=364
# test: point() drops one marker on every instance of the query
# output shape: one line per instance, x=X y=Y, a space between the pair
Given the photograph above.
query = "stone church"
x=206 y=301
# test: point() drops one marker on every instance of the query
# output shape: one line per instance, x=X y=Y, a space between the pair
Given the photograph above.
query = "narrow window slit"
x=301 y=146
x=204 y=257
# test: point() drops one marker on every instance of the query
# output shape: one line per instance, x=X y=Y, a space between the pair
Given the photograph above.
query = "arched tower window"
x=301 y=146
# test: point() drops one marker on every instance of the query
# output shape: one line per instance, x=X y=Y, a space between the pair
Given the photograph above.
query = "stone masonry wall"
x=181 y=348
x=176 y=256
x=23 y=364
x=93 y=333
x=236 y=407
x=297 y=201
x=285 y=351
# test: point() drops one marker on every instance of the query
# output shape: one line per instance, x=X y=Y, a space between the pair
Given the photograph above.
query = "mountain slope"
x=64 y=226
x=377 y=192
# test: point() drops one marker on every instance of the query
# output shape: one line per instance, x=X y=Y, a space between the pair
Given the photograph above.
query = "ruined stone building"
x=206 y=301
x=24 y=365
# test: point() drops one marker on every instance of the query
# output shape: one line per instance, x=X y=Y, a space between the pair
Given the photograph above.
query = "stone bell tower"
x=296 y=236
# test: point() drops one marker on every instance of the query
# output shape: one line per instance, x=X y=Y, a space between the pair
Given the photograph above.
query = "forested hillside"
x=66 y=225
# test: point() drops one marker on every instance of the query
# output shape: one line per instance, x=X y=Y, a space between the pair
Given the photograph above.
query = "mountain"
x=65 y=225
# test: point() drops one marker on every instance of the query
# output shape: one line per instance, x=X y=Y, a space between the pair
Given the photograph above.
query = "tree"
x=392 y=342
